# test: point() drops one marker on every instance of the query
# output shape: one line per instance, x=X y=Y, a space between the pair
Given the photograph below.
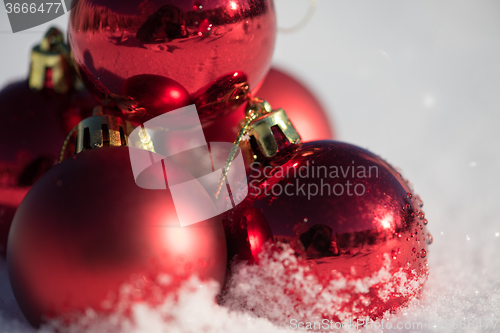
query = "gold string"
x=257 y=108
x=65 y=144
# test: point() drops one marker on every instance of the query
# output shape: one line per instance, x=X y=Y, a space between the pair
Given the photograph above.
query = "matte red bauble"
x=36 y=124
x=307 y=114
x=85 y=228
x=36 y=119
x=347 y=217
x=194 y=43
x=10 y=198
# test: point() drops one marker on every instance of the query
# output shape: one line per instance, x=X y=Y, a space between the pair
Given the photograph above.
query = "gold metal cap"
x=264 y=133
x=267 y=131
x=50 y=63
x=102 y=130
x=261 y=130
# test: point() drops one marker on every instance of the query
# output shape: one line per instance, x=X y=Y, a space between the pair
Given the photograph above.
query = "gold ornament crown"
x=53 y=54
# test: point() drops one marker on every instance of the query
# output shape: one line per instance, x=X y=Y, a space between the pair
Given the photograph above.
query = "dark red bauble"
x=282 y=91
x=85 y=228
x=195 y=43
x=10 y=198
x=34 y=127
x=348 y=216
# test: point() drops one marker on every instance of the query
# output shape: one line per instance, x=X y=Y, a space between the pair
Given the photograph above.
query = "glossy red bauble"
x=34 y=127
x=156 y=94
x=85 y=228
x=350 y=221
x=194 y=43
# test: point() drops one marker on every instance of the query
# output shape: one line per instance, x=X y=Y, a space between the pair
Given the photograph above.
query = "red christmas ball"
x=307 y=114
x=284 y=92
x=194 y=43
x=225 y=128
x=354 y=230
x=157 y=94
x=10 y=198
x=35 y=126
x=85 y=228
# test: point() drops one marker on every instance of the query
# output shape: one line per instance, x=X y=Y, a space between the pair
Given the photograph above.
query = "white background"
x=417 y=82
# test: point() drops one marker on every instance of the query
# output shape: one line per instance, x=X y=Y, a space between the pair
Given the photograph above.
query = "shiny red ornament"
x=193 y=43
x=282 y=91
x=85 y=228
x=347 y=216
x=157 y=94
